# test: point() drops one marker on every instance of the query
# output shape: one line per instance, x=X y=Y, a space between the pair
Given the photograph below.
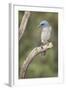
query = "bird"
x=46 y=30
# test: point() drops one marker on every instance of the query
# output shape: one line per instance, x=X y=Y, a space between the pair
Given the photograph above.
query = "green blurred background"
x=42 y=66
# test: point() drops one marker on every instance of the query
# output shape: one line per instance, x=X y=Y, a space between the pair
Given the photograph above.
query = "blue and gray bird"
x=46 y=29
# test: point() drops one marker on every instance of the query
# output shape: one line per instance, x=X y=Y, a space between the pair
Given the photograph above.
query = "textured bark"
x=32 y=55
x=23 y=24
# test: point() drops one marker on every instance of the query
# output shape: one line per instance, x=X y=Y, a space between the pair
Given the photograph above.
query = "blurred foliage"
x=42 y=66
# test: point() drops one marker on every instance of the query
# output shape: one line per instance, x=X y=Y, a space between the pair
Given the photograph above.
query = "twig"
x=30 y=57
x=23 y=24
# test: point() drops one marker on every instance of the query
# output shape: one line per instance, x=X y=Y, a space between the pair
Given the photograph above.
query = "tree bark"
x=31 y=57
x=23 y=24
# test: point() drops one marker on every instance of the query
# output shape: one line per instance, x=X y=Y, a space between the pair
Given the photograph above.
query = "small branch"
x=23 y=23
x=30 y=57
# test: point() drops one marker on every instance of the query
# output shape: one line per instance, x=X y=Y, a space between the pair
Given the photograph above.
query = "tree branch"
x=30 y=57
x=23 y=24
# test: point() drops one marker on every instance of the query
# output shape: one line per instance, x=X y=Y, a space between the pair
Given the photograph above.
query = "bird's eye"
x=42 y=24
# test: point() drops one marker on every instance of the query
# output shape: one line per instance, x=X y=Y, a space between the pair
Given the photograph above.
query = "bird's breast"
x=45 y=35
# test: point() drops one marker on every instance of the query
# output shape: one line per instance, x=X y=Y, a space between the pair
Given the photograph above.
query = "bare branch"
x=30 y=57
x=23 y=24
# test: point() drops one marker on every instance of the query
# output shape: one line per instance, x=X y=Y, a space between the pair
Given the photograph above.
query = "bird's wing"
x=49 y=32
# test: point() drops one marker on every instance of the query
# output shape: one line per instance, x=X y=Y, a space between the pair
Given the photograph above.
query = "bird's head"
x=43 y=24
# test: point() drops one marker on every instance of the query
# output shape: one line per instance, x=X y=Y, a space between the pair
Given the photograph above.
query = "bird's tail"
x=43 y=56
x=43 y=53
